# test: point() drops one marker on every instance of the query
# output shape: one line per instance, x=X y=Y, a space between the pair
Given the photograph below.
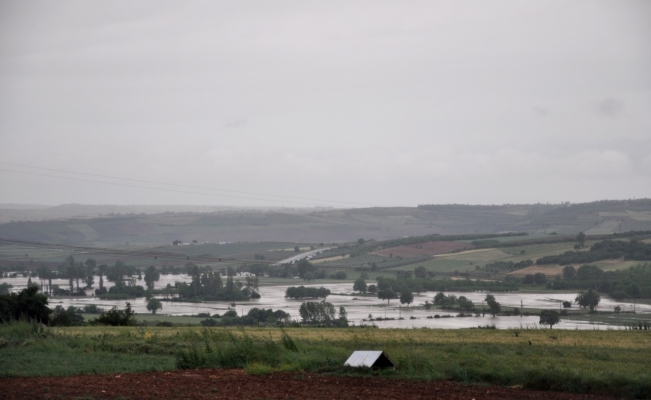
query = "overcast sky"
x=365 y=102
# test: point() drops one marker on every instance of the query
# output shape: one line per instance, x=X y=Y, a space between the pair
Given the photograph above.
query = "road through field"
x=302 y=256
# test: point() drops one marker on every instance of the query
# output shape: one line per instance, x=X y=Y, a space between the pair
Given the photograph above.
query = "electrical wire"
x=185 y=186
x=153 y=188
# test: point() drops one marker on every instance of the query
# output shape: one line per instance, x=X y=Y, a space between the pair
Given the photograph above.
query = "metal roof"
x=368 y=359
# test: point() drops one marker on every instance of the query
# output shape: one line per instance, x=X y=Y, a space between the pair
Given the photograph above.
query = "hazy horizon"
x=342 y=104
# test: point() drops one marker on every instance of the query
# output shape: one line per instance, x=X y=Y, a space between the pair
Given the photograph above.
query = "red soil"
x=235 y=384
x=423 y=249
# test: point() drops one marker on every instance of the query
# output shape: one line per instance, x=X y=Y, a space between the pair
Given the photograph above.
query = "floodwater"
x=360 y=308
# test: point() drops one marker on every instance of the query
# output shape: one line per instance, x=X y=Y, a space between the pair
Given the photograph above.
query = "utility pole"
x=520 y=308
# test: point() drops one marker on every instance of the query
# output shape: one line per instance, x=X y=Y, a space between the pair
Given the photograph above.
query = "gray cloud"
x=610 y=107
x=394 y=103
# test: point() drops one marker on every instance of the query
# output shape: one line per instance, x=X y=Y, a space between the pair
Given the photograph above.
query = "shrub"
x=115 y=317
x=27 y=304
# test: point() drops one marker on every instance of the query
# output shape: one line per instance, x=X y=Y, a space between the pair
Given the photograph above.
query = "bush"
x=27 y=304
x=209 y=322
x=115 y=317
x=63 y=317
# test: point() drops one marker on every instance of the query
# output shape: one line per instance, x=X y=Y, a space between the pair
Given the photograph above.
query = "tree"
x=230 y=284
x=360 y=241
x=297 y=249
x=569 y=272
x=549 y=317
x=406 y=297
x=252 y=283
x=493 y=305
x=304 y=267
x=154 y=305
x=589 y=273
x=63 y=317
x=386 y=294
x=618 y=309
x=343 y=314
x=317 y=312
x=102 y=270
x=44 y=274
x=339 y=275
x=539 y=278
x=360 y=285
x=446 y=301
x=439 y=299
x=117 y=272
x=588 y=299
x=420 y=272
x=372 y=289
x=257 y=314
x=5 y=288
x=151 y=276
x=69 y=268
x=27 y=304
x=79 y=273
x=115 y=317
x=580 y=240
x=302 y=292
x=90 y=270
x=465 y=304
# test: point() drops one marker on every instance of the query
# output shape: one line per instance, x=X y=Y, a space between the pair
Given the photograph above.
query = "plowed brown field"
x=235 y=384
x=423 y=249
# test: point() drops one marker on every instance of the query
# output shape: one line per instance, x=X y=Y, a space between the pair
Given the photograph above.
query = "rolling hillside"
x=337 y=224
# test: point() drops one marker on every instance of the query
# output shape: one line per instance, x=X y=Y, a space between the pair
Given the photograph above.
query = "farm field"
x=242 y=384
x=216 y=249
x=422 y=249
x=507 y=239
x=461 y=262
x=610 y=362
x=548 y=270
x=327 y=259
x=166 y=255
x=540 y=250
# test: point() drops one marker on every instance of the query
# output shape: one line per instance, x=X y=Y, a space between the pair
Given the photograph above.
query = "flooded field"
x=361 y=308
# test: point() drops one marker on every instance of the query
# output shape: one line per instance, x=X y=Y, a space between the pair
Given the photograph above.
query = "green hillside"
x=315 y=226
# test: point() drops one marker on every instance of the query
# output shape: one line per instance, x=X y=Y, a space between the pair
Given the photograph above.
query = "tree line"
x=604 y=250
x=634 y=282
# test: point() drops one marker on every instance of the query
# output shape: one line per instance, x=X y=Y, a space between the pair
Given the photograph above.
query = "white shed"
x=369 y=359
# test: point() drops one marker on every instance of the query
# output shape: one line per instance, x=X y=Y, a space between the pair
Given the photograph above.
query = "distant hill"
x=288 y=225
x=29 y=212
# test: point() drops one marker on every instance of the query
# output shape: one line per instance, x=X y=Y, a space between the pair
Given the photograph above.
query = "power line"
x=180 y=185
x=153 y=188
x=137 y=254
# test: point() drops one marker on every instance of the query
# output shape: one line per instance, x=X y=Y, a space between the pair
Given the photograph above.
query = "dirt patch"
x=549 y=270
x=423 y=249
x=235 y=384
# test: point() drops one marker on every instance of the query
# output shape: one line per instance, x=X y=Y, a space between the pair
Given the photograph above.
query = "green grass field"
x=613 y=362
x=507 y=239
